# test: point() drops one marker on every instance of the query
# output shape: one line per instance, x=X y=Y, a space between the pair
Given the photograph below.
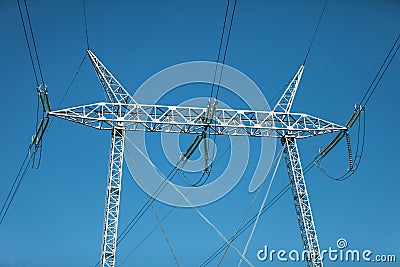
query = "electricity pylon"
x=122 y=113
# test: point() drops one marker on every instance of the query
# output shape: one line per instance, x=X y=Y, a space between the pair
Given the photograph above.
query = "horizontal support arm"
x=176 y=119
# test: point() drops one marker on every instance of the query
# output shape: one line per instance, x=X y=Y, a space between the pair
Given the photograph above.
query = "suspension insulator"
x=351 y=163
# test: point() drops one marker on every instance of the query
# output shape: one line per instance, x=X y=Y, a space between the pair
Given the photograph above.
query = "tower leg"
x=301 y=202
x=113 y=197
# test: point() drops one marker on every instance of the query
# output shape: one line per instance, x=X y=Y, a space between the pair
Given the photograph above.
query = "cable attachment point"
x=44 y=98
x=211 y=107
x=36 y=144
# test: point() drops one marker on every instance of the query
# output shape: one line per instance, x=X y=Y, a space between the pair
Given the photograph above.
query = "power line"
x=34 y=42
x=246 y=213
x=86 y=27
x=72 y=81
x=16 y=184
x=68 y=89
x=381 y=73
x=147 y=236
x=211 y=106
x=226 y=48
x=208 y=169
x=220 y=46
x=146 y=206
x=262 y=206
x=30 y=154
x=315 y=32
x=27 y=43
x=156 y=215
x=281 y=193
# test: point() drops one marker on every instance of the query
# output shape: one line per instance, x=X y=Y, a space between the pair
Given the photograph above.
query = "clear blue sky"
x=56 y=218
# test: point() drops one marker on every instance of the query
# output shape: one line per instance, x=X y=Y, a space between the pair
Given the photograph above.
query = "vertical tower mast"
x=297 y=183
x=116 y=93
x=113 y=198
x=301 y=202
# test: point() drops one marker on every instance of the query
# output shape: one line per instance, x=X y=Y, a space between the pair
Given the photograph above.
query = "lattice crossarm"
x=159 y=118
x=99 y=115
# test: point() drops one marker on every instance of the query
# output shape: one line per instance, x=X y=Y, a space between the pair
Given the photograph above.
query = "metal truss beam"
x=285 y=102
x=301 y=202
x=116 y=93
x=176 y=119
x=113 y=198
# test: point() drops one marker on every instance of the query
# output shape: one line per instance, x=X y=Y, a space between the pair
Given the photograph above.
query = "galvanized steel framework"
x=113 y=197
x=122 y=113
x=301 y=202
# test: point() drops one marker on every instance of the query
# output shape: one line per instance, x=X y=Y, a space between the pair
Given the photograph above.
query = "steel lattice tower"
x=122 y=113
